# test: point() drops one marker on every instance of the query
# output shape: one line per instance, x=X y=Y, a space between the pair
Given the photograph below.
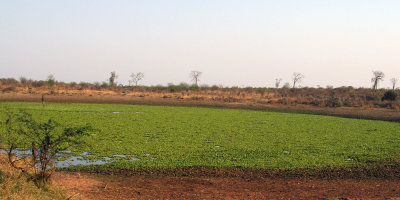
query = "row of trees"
x=378 y=76
x=195 y=76
x=135 y=78
x=296 y=78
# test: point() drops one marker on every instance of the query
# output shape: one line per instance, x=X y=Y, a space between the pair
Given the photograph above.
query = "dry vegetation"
x=315 y=97
x=17 y=185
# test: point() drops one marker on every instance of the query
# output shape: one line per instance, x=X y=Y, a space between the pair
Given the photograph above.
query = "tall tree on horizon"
x=195 y=76
x=377 y=76
x=135 y=78
x=113 y=78
x=297 y=77
x=277 y=82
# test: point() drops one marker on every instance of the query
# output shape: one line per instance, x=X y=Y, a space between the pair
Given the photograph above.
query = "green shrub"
x=389 y=95
x=44 y=139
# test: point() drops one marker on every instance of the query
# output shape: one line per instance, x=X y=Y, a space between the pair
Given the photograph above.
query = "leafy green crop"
x=173 y=137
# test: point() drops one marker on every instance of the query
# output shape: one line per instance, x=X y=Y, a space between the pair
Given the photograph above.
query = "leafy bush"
x=10 y=89
x=44 y=140
x=389 y=95
x=334 y=102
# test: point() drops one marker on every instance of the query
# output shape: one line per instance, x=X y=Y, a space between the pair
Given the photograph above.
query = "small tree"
x=24 y=81
x=51 y=80
x=394 y=82
x=377 y=76
x=45 y=141
x=135 y=78
x=195 y=76
x=389 y=95
x=112 y=79
x=277 y=82
x=297 y=77
x=10 y=139
x=286 y=85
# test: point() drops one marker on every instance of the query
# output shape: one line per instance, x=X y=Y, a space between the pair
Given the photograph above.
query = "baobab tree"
x=277 y=82
x=394 y=82
x=195 y=76
x=297 y=77
x=135 y=78
x=113 y=78
x=377 y=76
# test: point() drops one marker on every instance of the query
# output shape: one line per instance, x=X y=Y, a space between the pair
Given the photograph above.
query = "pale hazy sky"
x=234 y=43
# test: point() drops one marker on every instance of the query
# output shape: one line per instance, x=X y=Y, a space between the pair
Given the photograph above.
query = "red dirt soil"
x=100 y=186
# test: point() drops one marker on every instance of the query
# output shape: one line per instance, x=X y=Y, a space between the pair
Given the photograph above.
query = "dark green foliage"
x=51 y=82
x=334 y=102
x=111 y=80
x=174 y=88
x=194 y=87
x=389 y=96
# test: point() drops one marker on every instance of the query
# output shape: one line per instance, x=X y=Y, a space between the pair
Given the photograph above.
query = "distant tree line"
x=194 y=76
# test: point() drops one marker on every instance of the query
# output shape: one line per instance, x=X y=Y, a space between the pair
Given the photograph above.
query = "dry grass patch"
x=17 y=185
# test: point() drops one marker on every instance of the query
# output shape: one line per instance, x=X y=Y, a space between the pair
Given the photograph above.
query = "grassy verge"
x=16 y=185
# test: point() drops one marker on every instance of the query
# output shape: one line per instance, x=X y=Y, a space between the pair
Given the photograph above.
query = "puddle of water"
x=66 y=158
x=78 y=160
x=130 y=157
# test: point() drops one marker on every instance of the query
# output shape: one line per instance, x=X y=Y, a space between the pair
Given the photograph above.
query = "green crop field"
x=173 y=137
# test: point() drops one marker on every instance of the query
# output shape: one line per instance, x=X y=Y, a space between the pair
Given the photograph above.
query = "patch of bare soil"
x=101 y=186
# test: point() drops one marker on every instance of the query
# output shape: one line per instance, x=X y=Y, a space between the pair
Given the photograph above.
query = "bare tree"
x=195 y=76
x=297 y=77
x=277 y=82
x=113 y=78
x=135 y=78
x=394 y=82
x=377 y=76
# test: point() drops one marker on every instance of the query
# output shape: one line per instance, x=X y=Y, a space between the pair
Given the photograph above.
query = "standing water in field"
x=66 y=159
